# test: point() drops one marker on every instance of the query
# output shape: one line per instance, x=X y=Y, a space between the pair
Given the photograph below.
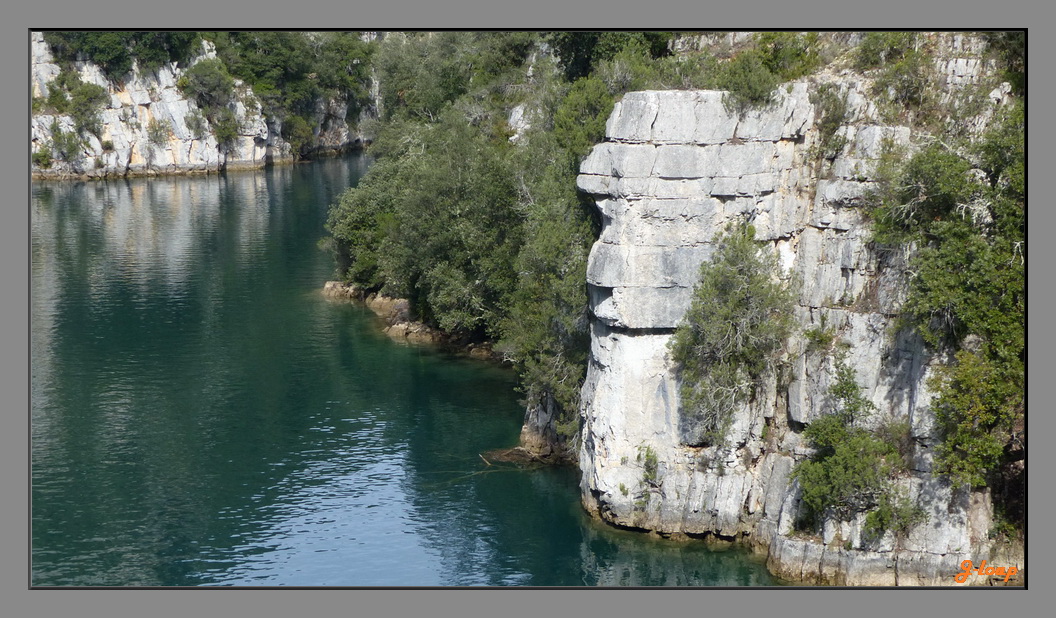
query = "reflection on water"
x=202 y=416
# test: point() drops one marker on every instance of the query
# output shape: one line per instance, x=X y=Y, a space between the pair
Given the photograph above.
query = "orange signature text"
x=983 y=570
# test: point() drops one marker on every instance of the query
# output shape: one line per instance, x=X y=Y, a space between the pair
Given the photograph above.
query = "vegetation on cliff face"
x=738 y=323
x=853 y=470
x=965 y=210
x=293 y=74
x=961 y=203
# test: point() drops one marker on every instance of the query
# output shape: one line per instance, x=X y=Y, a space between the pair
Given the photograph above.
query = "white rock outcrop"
x=123 y=146
x=674 y=169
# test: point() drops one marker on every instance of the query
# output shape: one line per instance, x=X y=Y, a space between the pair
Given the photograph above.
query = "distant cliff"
x=145 y=126
x=675 y=168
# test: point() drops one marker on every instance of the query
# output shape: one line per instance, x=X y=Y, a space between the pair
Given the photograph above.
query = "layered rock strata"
x=675 y=168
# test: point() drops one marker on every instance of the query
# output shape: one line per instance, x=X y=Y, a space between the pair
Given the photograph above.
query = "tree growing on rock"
x=732 y=334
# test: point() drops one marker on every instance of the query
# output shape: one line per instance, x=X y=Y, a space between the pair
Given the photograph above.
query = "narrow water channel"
x=201 y=415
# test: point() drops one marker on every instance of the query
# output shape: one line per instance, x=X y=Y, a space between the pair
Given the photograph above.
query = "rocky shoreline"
x=401 y=326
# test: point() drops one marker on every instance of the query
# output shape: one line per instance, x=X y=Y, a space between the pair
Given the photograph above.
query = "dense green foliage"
x=965 y=210
x=749 y=81
x=789 y=55
x=753 y=74
x=290 y=71
x=902 y=65
x=210 y=86
x=581 y=52
x=42 y=157
x=452 y=227
x=735 y=328
x=580 y=119
x=67 y=94
x=488 y=240
x=1011 y=49
x=852 y=468
x=66 y=145
x=894 y=512
x=546 y=328
x=115 y=52
x=878 y=49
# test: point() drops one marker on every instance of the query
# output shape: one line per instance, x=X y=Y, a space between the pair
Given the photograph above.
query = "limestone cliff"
x=674 y=169
x=123 y=146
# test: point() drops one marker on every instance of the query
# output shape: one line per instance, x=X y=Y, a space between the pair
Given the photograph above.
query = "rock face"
x=123 y=146
x=674 y=169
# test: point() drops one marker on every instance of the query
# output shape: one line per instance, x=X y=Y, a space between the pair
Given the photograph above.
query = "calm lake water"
x=201 y=415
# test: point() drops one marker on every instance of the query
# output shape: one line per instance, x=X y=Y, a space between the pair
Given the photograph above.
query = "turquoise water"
x=201 y=415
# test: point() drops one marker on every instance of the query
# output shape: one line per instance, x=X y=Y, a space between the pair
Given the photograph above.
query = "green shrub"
x=196 y=124
x=894 y=512
x=976 y=407
x=114 y=52
x=452 y=234
x=848 y=402
x=650 y=465
x=298 y=132
x=42 y=157
x=789 y=55
x=748 y=80
x=966 y=296
x=906 y=81
x=57 y=100
x=209 y=84
x=878 y=49
x=110 y=50
x=86 y=100
x=928 y=188
x=69 y=146
x=579 y=122
x=900 y=435
x=831 y=114
x=580 y=52
x=158 y=132
x=226 y=128
x=546 y=331
x=819 y=338
x=851 y=468
x=363 y=218
x=1011 y=50
x=851 y=475
x=732 y=333
x=420 y=76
